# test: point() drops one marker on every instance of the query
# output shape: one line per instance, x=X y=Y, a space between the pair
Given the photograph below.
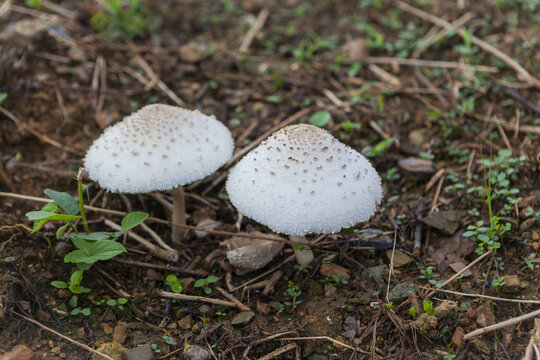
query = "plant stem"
x=304 y=256
x=178 y=215
x=81 y=201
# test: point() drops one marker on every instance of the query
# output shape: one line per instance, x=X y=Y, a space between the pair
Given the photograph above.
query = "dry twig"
x=185 y=297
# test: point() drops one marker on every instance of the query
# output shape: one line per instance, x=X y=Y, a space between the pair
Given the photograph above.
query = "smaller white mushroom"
x=301 y=180
x=159 y=147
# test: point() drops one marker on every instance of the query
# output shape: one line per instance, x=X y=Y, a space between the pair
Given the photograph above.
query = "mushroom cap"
x=301 y=180
x=158 y=147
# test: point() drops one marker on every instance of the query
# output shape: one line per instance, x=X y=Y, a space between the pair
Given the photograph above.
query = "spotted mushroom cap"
x=301 y=180
x=158 y=147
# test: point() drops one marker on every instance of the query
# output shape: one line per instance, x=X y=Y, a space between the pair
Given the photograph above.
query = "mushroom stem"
x=304 y=255
x=178 y=215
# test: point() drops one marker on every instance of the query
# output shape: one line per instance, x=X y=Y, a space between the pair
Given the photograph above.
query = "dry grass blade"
x=522 y=73
x=185 y=297
x=83 y=346
x=501 y=325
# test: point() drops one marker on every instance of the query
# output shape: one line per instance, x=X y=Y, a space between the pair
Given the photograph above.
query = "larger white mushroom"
x=301 y=180
x=159 y=147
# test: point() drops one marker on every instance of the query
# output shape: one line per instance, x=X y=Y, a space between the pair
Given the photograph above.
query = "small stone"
x=263 y=308
x=526 y=225
x=243 y=318
x=356 y=49
x=457 y=338
x=43 y=316
x=417 y=166
x=350 y=325
x=80 y=331
x=445 y=308
x=143 y=352
x=56 y=350
x=317 y=356
x=513 y=283
x=196 y=352
x=206 y=310
x=471 y=314
x=197 y=328
x=446 y=221
x=329 y=270
x=460 y=265
x=426 y=322
x=120 y=334
x=484 y=316
x=185 y=322
x=19 y=352
x=400 y=258
x=112 y=349
x=418 y=137
x=153 y=275
x=329 y=290
x=481 y=346
x=535 y=236
x=107 y=329
x=376 y=272
x=401 y=291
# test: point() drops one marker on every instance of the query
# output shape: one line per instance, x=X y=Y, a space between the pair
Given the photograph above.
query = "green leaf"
x=86 y=312
x=73 y=301
x=207 y=290
x=171 y=279
x=212 y=279
x=200 y=283
x=111 y=302
x=483 y=237
x=59 y=284
x=133 y=219
x=3 y=97
x=177 y=287
x=46 y=215
x=468 y=233
x=90 y=252
x=122 y=301
x=76 y=277
x=381 y=146
x=75 y=311
x=61 y=231
x=64 y=200
x=38 y=224
x=320 y=118
x=95 y=236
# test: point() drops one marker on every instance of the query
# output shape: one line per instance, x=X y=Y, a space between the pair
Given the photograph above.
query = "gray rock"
x=446 y=221
x=401 y=291
x=243 y=318
x=376 y=272
x=196 y=352
x=143 y=352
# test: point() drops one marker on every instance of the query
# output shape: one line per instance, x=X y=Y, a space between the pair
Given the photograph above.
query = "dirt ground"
x=447 y=114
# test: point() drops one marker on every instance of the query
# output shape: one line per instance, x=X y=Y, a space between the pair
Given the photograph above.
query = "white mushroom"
x=301 y=180
x=159 y=147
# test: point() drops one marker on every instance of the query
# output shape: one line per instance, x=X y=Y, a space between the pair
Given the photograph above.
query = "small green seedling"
x=175 y=283
x=91 y=246
x=337 y=279
x=294 y=292
x=413 y=312
x=119 y=303
x=428 y=308
x=219 y=314
x=203 y=283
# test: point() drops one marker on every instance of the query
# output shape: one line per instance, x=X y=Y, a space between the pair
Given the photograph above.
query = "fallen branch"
x=524 y=74
x=185 y=297
x=257 y=26
x=501 y=325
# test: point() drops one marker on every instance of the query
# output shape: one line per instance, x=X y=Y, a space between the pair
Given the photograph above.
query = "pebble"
x=19 y=352
x=445 y=308
x=401 y=291
x=185 y=322
x=484 y=316
x=376 y=272
x=120 y=334
x=143 y=352
x=457 y=338
x=329 y=270
x=400 y=258
x=446 y=221
x=112 y=349
x=107 y=329
x=243 y=318
x=417 y=166
x=196 y=352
